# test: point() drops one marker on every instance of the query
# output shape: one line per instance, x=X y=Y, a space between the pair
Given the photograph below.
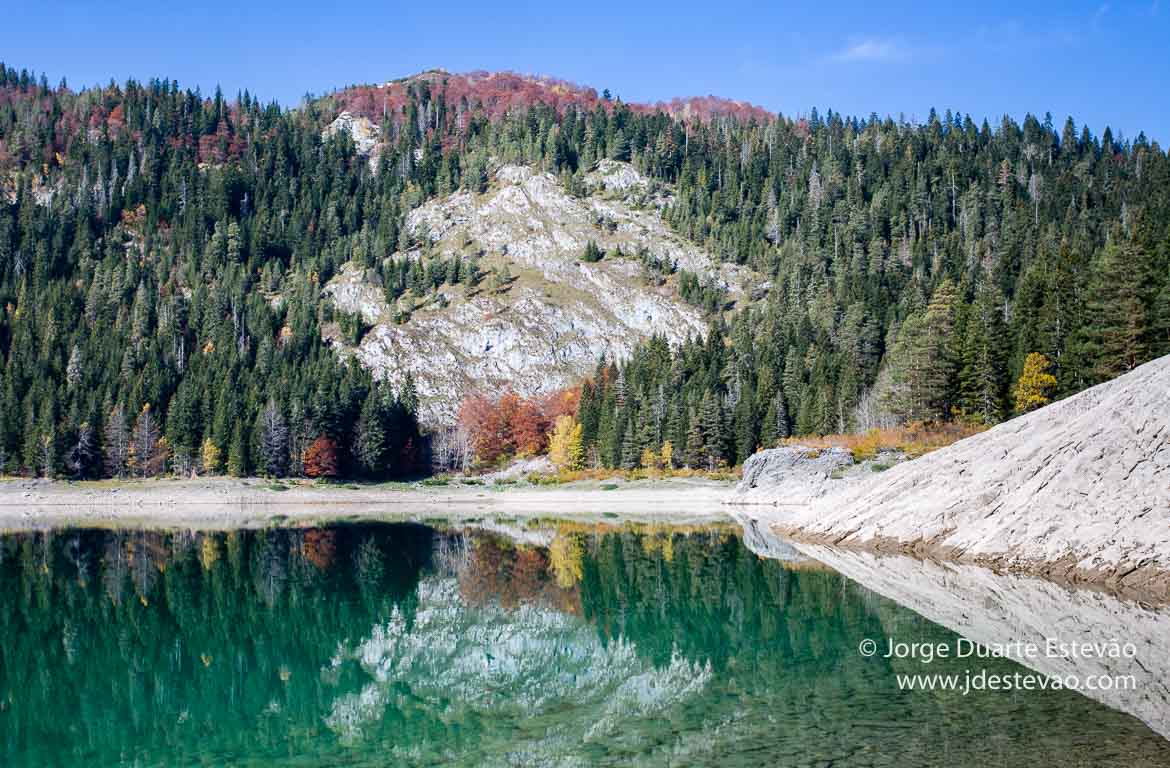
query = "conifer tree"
x=1118 y=332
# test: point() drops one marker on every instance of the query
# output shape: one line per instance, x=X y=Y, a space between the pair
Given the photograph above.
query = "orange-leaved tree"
x=322 y=459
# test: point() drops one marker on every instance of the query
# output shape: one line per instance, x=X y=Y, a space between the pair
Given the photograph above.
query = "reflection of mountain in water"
x=468 y=661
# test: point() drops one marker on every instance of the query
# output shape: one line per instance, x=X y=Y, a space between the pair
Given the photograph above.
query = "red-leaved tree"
x=321 y=458
x=514 y=425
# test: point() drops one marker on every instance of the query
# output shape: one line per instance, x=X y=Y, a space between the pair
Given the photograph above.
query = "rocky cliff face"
x=1079 y=489
x=558 y=315
x=365 y=135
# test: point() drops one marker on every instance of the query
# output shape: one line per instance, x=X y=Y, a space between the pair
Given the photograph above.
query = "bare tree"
x=452 y=449
x=81 y=455
x=145 y=443
x=274 y=440
x=117 y=441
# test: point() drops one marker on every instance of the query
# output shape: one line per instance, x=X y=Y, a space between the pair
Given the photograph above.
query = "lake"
x=544 y=643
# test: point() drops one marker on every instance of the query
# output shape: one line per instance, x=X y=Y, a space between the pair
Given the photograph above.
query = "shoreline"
x=219 y=502
x=1138 y=581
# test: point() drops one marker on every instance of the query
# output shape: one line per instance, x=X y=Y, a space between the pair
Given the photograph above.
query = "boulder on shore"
x=792 y=474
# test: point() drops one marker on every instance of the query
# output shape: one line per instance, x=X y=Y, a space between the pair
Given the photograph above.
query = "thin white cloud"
x=871 y=49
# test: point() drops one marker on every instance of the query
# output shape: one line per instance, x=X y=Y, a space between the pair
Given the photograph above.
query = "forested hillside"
x=162 y=257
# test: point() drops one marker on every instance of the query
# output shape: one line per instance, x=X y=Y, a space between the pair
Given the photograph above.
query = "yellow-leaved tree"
x=1035 y=385
x=564 y=443
x=211 y=456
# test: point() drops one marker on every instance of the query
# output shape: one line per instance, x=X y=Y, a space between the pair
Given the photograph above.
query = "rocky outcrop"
x=1079 y=489
x=549 y=326
x=794 y=474
x=365 y=134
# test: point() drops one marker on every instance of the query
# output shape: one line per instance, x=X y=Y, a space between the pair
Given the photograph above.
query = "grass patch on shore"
x=914 y=440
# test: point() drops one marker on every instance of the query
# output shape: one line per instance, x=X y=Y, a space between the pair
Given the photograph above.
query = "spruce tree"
x=714 y=437
x=1118 y=332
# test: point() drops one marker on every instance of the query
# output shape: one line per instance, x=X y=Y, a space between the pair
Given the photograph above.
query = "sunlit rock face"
x=1078 y=488
x=365 y=134
x=459 y=660
x=559 y=314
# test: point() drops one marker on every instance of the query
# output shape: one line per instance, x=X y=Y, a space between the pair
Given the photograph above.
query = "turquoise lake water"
x=509 y=644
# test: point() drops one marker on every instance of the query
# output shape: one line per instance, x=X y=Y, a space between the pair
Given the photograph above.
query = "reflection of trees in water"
x=218 y=631
x=499 y=571
x=452 y=552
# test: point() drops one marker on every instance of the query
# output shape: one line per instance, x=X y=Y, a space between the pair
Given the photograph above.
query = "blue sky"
x=1103 y=63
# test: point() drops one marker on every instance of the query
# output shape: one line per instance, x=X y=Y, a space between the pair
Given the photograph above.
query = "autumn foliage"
x=512 y=425
x=322 y=459
x=496 y=94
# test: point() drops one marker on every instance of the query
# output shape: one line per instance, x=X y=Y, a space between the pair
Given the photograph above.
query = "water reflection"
x=1076 y=633
x=499 y=643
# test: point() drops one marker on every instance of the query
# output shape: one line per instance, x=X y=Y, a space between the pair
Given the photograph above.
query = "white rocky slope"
x=559 y=315
x=1078 y=489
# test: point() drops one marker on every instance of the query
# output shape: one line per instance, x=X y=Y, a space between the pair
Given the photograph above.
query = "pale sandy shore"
x=232 y=503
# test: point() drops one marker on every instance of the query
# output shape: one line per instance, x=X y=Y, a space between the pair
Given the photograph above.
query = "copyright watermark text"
x=1019 y=650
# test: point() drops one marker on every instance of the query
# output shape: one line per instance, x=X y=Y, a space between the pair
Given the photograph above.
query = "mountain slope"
x=555 y=315
x=1080 y=488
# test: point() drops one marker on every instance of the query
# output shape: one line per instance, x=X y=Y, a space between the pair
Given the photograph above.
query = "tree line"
x=162 y=255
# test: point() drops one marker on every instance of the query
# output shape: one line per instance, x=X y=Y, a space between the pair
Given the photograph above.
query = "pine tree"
x=630 y=452
x=714 y=439
x=237 y=461
x=746 y=439
x=370 y=444
x=1118 y=333
x=982 y=367
x=696 y=445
